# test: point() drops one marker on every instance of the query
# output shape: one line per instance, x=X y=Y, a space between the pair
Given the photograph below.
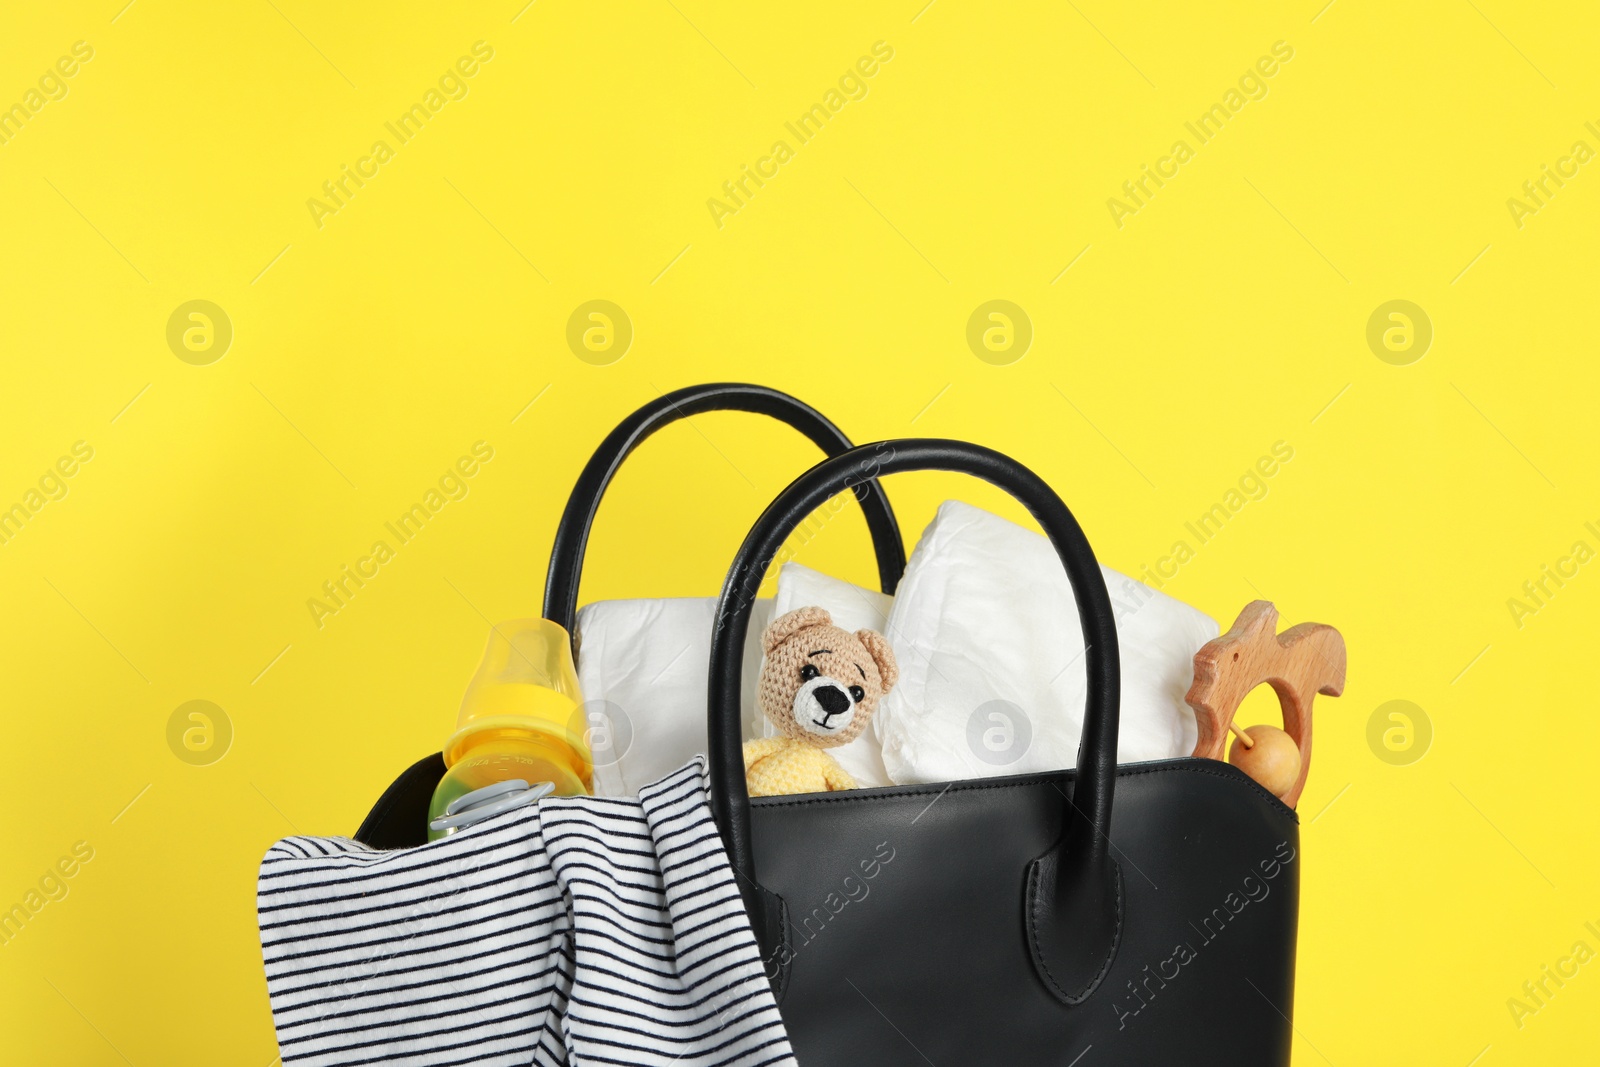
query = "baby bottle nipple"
x=520 y=722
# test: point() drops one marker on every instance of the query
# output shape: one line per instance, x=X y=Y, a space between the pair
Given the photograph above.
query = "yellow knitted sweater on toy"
x=780 y=766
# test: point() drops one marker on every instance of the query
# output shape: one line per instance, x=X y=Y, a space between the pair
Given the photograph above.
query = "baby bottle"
x=520 y=723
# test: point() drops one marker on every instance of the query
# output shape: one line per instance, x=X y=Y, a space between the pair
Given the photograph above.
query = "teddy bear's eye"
x=857 y=693
x=808 y=672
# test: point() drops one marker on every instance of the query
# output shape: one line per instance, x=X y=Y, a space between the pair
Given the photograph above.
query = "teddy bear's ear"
x=787 y=625
x=878 y=648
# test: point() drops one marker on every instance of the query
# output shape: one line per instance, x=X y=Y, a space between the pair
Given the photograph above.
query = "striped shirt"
x=583 y=930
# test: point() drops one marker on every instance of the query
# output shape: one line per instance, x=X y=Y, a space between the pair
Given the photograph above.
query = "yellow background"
x=1228 y=314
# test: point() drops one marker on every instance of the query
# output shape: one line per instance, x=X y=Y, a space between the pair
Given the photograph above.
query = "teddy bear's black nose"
x=832 y=698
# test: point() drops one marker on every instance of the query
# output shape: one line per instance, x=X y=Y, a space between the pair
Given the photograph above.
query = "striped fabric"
x=585 y=930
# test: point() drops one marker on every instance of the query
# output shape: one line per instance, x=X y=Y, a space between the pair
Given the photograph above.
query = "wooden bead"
x=1273 y=761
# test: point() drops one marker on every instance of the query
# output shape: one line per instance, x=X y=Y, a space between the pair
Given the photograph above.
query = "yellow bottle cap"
x=527 y=685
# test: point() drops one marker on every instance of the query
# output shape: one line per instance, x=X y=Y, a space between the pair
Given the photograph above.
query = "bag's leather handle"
x=1073 y=890
x=572 y=535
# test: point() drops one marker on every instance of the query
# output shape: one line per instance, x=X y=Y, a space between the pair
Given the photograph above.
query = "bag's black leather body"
x=927 y=961
x=1142 y=914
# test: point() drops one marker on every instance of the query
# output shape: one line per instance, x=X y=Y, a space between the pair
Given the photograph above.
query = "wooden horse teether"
x=1299 y=663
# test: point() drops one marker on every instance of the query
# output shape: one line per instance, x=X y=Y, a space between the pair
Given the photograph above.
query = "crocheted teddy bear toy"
x=819 y=686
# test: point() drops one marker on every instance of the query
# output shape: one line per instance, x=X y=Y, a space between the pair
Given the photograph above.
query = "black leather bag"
x=1142 y=914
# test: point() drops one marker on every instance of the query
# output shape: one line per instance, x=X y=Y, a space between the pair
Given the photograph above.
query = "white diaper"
x=992 y=681
x=985 y=632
